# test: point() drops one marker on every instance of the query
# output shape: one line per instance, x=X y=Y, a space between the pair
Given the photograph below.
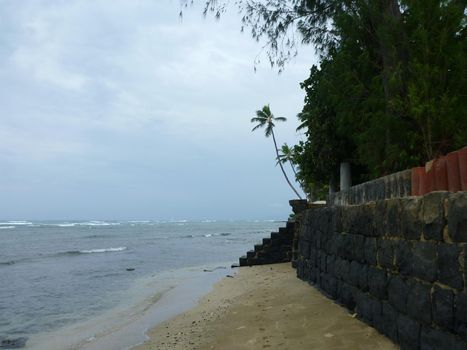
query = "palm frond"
x=260 y=114
x=281 y=119
x=257 y=120
x=257 y=127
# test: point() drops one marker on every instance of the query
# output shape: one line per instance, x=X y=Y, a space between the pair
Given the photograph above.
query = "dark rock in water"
x=13 y=343
x=214 y=269
x=130 y=269
x=229 y=276
x=233 y=266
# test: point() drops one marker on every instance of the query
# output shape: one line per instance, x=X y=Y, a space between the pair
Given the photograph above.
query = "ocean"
x=55 y=275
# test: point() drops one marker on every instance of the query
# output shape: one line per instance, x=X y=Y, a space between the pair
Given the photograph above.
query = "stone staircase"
x=273 y=250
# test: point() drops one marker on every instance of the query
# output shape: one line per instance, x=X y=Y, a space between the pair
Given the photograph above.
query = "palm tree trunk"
x=282 y=168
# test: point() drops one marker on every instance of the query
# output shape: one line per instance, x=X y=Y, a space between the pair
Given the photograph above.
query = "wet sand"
x=265 y=307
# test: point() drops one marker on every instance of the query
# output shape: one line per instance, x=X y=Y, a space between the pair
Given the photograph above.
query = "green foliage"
x=390 y=90
x=390 y=95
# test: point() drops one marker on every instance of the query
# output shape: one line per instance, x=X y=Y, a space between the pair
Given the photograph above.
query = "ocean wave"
x=93 y=251
x=15 y=223
x=3 y=263
x=207 y=235
x=7 y=227
x=68 y=224
x=103 y=250
x=85 y=223
x=99 y=223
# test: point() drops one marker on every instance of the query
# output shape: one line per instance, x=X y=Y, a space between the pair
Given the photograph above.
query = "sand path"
x=265 y=307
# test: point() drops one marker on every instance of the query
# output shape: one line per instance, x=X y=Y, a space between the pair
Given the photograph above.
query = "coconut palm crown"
x=266 y=119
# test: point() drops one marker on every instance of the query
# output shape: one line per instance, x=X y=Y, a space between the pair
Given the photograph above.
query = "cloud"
x=125 y=96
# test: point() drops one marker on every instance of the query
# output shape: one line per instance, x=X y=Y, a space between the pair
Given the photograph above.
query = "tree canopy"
x=390 y=88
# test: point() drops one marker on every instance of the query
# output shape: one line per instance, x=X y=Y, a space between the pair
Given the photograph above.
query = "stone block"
x=251 y=254
x=449 y=269
x=433 y=215
x=419 y=301
x=408 y=332
x=362 y=222
x=347 y=248
x=336 y=220
x=329 y=285
x=346 y=296
x=433 y=339
x=461 y=307
x=389 y=321
x=424 y=261
x=443 y=307
x=304 y=248
x=456 y=214
x=378 y=320
x=370 y=250
x=342 y=269
x=393 y=217
x=363 y=278
x=351 y=218
x=377 y=282
x=411 y=223
x=385 y=253
x=330 y=264
x=354 y=273
x=366 y=306
x=358 y=245
x=403 y=254
x=379 y=221
x=397 y=293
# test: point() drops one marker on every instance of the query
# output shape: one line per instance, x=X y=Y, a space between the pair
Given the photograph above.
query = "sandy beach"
x=265 y=307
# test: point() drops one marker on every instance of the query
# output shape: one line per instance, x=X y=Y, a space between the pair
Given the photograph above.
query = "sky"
x=121 y=110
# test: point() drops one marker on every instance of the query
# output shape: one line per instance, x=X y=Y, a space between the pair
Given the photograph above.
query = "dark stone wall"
x=400 y=264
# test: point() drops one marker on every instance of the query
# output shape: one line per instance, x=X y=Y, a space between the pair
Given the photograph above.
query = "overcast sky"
x=116 y=109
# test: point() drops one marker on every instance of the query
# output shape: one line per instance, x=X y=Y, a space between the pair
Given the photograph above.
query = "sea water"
x=54 y=275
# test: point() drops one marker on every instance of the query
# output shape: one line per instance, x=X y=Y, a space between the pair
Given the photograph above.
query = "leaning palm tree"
x=266 y=119
x=287 y=155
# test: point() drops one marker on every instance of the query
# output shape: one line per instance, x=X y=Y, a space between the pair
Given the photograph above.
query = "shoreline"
x=153 y=300
x=265 y=307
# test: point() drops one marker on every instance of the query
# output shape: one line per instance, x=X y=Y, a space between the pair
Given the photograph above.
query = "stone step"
x=250 y=254
x=290 y=225
x=258 y=247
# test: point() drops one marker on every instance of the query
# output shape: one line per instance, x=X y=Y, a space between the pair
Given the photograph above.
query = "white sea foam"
x=7 y=227
x=208 y=235
x=15 y=223
x=103 y=250
x=98 y=223
x=67 y=224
